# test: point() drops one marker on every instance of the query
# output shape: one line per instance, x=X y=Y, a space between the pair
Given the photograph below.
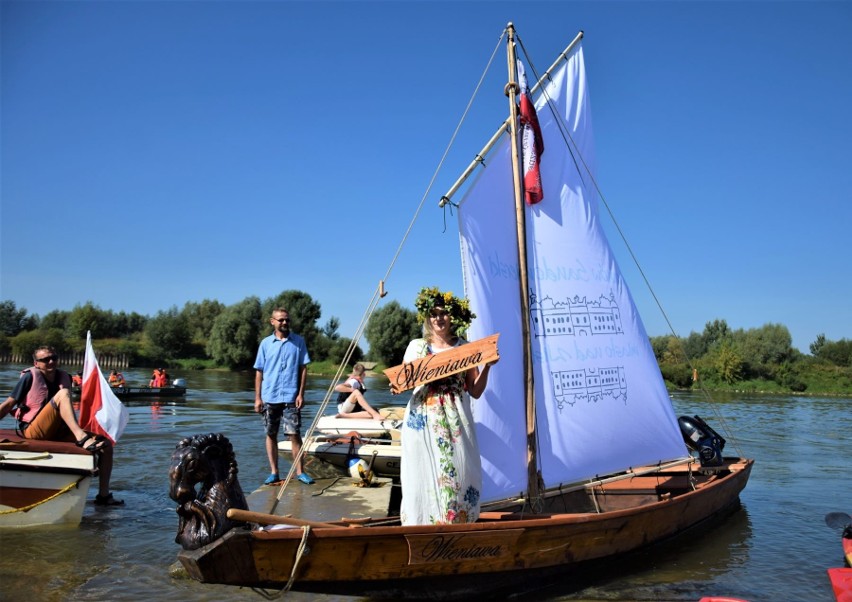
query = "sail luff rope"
x=566 y=136
x=443 y=158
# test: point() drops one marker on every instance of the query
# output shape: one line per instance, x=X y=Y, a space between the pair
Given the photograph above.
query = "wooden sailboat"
x=583 y=457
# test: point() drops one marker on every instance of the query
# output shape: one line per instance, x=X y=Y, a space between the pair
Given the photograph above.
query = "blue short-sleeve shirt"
x=280 y=360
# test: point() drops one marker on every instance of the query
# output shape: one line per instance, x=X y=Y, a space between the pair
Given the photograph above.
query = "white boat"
x=42 y=482
x=384 y=456
x=388 y=427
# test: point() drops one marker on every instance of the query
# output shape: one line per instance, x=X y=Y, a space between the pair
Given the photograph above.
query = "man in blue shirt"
x=279 y=387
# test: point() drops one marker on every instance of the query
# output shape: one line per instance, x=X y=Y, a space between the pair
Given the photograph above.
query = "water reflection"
x=801 y=473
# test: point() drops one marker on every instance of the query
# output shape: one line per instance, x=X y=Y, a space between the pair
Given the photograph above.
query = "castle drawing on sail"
x=575 y=317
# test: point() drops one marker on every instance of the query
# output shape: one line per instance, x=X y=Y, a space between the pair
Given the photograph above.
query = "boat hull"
x=142 y=392
x=388 y=427
x=503 y=546
x=42 y=483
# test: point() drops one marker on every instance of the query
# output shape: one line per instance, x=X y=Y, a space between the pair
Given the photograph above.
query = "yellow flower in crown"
x=459 y=309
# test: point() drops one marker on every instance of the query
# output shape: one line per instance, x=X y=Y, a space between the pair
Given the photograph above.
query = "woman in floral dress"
x=441 y=471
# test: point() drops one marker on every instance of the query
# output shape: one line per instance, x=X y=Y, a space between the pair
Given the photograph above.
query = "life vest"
x=37 y=395
x=342 y=395
x=161 y=380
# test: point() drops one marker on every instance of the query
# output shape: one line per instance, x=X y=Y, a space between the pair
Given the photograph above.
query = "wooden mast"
x=533 y=477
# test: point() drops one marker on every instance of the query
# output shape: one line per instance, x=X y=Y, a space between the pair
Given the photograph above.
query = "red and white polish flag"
x=101 y=412
x=532 y=143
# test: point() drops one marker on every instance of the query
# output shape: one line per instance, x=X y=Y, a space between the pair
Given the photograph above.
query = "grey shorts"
x=285 y=416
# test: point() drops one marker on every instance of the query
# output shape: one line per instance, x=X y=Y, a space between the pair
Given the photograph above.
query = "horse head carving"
x=203 y=481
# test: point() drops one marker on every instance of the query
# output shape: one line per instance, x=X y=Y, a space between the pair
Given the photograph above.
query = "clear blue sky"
x=155 y=153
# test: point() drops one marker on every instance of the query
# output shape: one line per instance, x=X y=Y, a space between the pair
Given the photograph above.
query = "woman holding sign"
x=441 y=472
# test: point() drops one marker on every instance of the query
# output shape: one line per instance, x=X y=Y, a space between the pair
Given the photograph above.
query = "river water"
x=777 y=547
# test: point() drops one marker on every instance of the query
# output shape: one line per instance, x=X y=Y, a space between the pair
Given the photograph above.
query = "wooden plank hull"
x=396 y=560
x=42 y=482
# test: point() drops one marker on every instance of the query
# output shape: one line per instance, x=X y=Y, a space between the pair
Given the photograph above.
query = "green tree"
x=235 y=334
x=339 y=347
x=715 y=333
x=87 y=318
x=817 y=345
x=331 y=328
x=389 y=331
x=14 y=320
x=168 y=334
x=769 y=344
x=729 y=363
x=27 y=341
x=54 y=319
x=838 y=353
x=693 y=346
x=125 y=324
x=200 y=317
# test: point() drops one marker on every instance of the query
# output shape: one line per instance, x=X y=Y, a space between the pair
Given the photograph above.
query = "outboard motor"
x=701 y=438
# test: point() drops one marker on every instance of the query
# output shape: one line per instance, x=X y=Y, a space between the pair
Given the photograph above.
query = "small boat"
x=583 y=457
x=841 y=583
x=382 y=456
x=124 y=393
x=388 y=427
x=42 y=482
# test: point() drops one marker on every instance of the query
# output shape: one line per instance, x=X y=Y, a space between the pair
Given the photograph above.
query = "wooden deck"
x=329 y=499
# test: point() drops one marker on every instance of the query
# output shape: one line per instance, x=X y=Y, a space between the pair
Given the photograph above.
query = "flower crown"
x=459 y=309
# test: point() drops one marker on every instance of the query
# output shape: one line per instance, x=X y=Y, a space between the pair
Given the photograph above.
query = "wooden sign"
x=436 y=366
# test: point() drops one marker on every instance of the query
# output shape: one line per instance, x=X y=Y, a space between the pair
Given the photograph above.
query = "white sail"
x=601 y=403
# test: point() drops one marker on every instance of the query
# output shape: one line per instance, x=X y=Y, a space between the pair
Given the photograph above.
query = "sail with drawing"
x=601 y=404
x=583 y=457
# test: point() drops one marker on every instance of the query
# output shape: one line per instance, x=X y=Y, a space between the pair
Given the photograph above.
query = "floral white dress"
x=441 y=471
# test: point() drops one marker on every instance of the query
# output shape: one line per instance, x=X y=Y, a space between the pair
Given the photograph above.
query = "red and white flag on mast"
x=532 y=143
x=101 y=412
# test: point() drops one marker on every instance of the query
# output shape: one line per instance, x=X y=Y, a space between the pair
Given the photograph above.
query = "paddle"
x=838 y=520
x=273 y=519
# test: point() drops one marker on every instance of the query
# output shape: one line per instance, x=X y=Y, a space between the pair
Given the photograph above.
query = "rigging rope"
x=376 y=296
x=572 y=147
x=62 y=491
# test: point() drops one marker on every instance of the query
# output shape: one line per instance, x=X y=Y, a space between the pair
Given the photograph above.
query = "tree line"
x=757 y=358
x=200 y=333
x=209 y=332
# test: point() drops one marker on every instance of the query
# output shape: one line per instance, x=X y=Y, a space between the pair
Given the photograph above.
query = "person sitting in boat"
x=350 y=399
x=441 y=472
x=77 y=379
x=116 y=379
x=41 y=402
x=159 y=378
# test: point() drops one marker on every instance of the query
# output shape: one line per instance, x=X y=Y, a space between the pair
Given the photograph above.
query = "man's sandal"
x=107 y=500
x=96 y=445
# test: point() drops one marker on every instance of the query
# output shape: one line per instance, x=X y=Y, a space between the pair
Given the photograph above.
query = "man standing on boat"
x=279 y=387
x=42 y=404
